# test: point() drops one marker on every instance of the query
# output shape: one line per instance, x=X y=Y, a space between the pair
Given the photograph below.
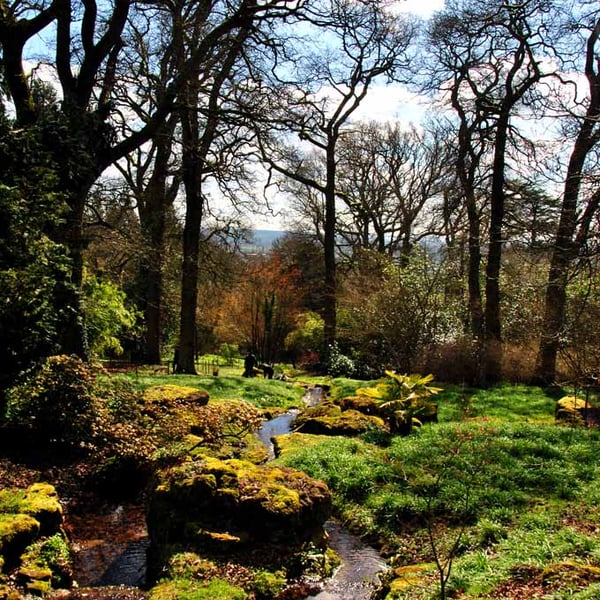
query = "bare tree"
x=580 y=199
x=388 y=176
x=488 y=53
x=317 y=101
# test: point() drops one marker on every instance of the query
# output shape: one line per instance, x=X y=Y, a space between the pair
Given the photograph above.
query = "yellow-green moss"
x=14 y=528
x=268 y=585
x=291 y=443
x=571 y=403
x=278 y=498
x=407 y=577
x=39 y=501
x=573 y=573
x=35 y=578
x=186 y=589
x=166 y=392
x=6 y=593
x=569 y=409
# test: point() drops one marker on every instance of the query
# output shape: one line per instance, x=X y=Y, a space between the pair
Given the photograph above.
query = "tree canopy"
x=140 y=140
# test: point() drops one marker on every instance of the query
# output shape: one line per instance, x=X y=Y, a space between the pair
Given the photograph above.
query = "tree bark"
x=493 y=329
x=330 y=295
x=157 y=199
x=565 y=247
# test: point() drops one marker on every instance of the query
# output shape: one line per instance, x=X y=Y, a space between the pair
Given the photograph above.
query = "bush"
x=54 y=402
x=338 y=364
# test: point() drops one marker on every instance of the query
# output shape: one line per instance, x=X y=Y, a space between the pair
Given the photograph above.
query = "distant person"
x=267 y=370
x=249 y=363
x=176 y=359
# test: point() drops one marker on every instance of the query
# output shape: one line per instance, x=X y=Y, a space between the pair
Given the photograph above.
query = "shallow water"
x=279 y=425
x=357 y=576
x=109 y=547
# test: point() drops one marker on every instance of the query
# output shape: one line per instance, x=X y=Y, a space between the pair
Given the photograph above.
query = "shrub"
x=404 y=400
x=338 y=364
x=54 y=402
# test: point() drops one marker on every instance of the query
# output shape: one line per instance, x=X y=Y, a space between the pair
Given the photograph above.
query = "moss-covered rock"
x=363 y=404
x=35 y=579
x=17 y=531
x=46 y=561
x=8 y=593
x=39 y=501
x=32 y=547
x=570 y=410
x=190 y=589
x=330 y=419
x=171 y=393
x=293 y=442
x=222 y=504
x=575 y=574
x=405 y=578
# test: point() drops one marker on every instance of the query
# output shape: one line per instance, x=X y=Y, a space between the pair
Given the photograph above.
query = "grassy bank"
x=495 y=500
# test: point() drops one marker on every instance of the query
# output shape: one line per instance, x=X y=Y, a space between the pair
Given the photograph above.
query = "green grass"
x=263 y=393
x=504 y=402
x=519 y=490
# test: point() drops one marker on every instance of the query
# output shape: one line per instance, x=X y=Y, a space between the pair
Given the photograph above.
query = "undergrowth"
x=495 y=487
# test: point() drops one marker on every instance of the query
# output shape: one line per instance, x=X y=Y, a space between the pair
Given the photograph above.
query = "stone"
x=570 y=410
x=172 y=393
x=17 y=531
x=329 y=419
x=211 y=502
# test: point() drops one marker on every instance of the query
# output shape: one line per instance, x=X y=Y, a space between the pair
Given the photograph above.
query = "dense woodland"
x=139 y=139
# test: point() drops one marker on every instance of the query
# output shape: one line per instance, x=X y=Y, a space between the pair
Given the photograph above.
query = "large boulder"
x=28 y=517
x=227 y=505
x=171 y=394
x=330 y=419
x=570 y=410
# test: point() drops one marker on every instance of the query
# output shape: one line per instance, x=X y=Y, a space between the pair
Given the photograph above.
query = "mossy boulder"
x=169 y=393
x=32 y=547
x=293 y=442
x=39 y=501
x=212 y=503
x=330 y=419
x=17 y=531
x=363 y=404
x=570 y=410
x=575 y=574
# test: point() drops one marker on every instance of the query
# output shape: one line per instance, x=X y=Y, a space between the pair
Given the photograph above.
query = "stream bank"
x=110 y=544
x=358 y=574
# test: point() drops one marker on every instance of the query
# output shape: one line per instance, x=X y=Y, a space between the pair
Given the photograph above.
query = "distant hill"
x=262 y=241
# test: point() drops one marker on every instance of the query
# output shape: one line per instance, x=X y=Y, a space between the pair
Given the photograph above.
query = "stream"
x=109 y=546
x=357 y=576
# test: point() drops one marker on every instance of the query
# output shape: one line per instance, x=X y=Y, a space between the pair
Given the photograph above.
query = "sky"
x=382 y=103
x=423 y=8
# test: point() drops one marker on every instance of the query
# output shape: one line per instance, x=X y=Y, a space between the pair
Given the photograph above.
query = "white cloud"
x=391 y=103
x=423 y=8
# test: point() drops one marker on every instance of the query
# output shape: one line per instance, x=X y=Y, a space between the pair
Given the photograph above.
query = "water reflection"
x=358 y=574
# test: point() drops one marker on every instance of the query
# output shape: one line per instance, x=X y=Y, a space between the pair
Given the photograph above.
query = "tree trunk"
x=563 y=252
x=493 y=329
x=192 y=165
x=157 y=199
x=330 y=292
x=565 y=246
